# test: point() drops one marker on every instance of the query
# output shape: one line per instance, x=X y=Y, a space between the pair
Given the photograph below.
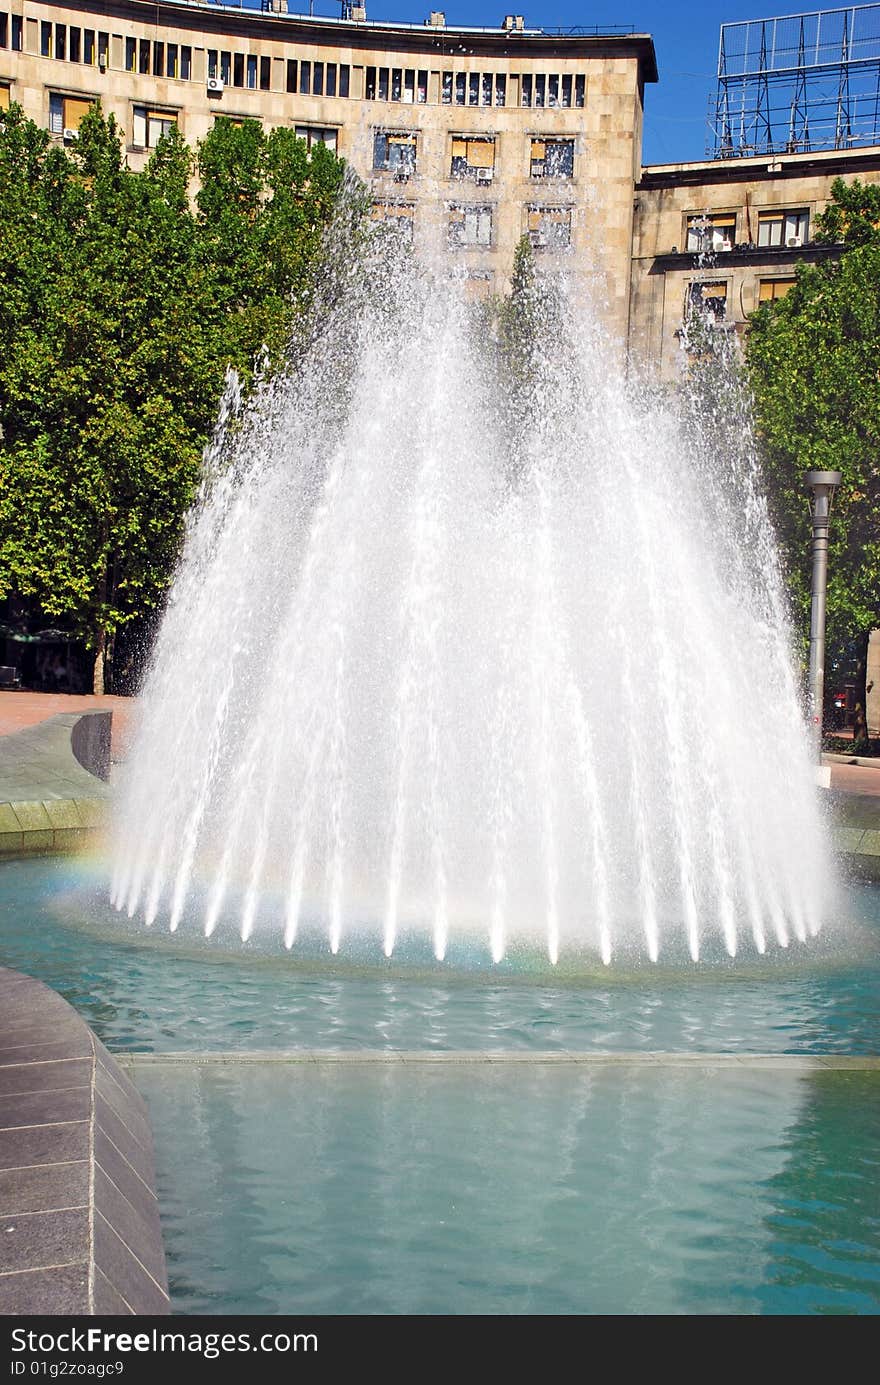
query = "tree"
x=813 y=365
x=121 y=310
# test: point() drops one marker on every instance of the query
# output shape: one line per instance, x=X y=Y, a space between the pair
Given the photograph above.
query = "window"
x=150 y=126
x=66 y=112
x=45 y=40
x=226 y=68
x=382 y=88
x=552 y=158
x=486 y=90
x=409 y=86
x=396 y=217
x=61 y=41
x=4 y=97
x=711 y=232
x=186 y=59
x=446 y=89
x=212 y=62
x=305 y=78
x=130 y=54
x=709 y=300
x=252 y=72
x=171 y=63
x=460 y=79
x=158 y=59
x=474 y=89
x=769 y=290
x=291 y=74
x=540 y=88
x=265 y=73
x=549 y=228
x=344 y=78
x=238 y=69
x=783 y=228
x=396 y=152
x=313 y=134
x=89 y=46
x=500 y=89
x=473 y=157
x=526 y=90
x=330 y=79
x=144 y=56
x=370 y=84
x=103 y=48
x=422 y=87
x=75 y=45
x=396 y=83
x=470 y=227
x=4 y=30
x=579 y=89
x=16 y=33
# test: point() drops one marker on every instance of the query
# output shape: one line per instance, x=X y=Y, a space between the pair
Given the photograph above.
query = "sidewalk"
x=20 y=710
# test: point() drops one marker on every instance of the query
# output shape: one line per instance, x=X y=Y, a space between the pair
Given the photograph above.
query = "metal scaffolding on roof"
x=797 y=83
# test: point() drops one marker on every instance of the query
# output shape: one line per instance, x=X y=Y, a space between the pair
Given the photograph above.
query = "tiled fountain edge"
x=79 y=1217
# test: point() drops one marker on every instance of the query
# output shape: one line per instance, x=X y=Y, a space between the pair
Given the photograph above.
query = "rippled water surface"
x=521 y=1189
x=467 y=1188
x=144 y=990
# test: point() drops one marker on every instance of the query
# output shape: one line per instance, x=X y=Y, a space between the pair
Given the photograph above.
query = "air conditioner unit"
x=215 y=86
x=725 y=245
x=70 y=136
x=539 y=168
x=794 y=242
x=483 y=175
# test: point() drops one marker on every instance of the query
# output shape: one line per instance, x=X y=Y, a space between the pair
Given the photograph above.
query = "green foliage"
x=121 y=307
x=852 y=217
x=813 y=366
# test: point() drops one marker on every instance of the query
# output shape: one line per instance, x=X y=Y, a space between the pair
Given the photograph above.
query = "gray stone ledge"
x=79 y=1218
x=794 y=1062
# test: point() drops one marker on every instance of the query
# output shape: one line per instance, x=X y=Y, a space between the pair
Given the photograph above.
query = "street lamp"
x=823 y=484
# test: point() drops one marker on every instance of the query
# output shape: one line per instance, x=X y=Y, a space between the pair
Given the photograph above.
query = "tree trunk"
x=98 y=679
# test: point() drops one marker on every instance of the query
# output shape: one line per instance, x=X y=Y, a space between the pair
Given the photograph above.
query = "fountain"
x=471 y=660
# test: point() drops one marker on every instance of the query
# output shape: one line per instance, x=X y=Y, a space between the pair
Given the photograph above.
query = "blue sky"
x=685 y=36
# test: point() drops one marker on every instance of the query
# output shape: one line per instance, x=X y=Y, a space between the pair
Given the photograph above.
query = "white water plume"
x=457 y=653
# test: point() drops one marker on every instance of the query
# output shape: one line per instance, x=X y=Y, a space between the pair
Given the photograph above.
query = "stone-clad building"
x=469 y=138
x=725 y=236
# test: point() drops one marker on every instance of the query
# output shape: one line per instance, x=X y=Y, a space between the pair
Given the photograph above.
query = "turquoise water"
x=470 y=1189
x=521 y=1189
x=146 y=990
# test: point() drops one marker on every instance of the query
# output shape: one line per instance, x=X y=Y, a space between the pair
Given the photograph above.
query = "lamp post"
x=822 y=484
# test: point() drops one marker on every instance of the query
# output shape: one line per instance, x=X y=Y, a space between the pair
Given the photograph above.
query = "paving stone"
x=137 y=1224
x=62 y=813
x=57 y=1292
x=54 y=1076
x=35 y=1240
x=140 y=1158
x=108 y=1302
x=133 y=1116
x=127 y=1179
x=41 y=1051
x=44 y=1188
x=45 y=1108
x=44 y=1144
x=32 y=816
x=127 y=1274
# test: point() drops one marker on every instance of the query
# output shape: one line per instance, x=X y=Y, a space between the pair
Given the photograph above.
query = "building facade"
x=468 y=138
x=721 y=237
